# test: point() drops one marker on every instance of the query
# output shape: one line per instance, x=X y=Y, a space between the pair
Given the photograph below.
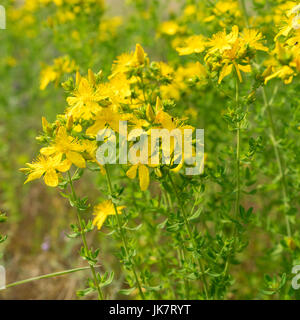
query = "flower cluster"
x=226 y=52
x=284 y=62
x=55 y=72
x=131 y=93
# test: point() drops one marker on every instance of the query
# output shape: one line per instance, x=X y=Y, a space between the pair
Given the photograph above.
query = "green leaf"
x=135 y=228
x=108 y=280
x=85 y=292
x=162 y=224
x=127 y=292
x=195 y=215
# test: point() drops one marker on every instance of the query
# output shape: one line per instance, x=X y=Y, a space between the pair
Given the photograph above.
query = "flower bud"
x=78 y=78
x=158 y=105
x=158 y=172
x=45 y=124
x=91 y=77
x=69 y=123
x=139 y=54
x=291 y=243
x=68 y=85
x=99 y=76
x=150 y=113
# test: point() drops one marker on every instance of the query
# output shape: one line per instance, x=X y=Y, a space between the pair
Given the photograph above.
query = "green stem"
x=45 y=276
x=169 y=204
x=181 y=256
x=238 y=152
x=187 y=226
x=237 y=169
x=124 y=240
x=278 y=157
x=83 y=237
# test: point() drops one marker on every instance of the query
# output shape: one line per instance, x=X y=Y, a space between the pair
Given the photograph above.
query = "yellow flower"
x=61 y=66
x=108 y=28
x=182 y=76
x=168 y=122
x=222 y=41
x=283 y=60
x=90 y=148
x=47 y=75
x=150 y=113
x=190 y=10
x=117 y=89
x=170 y=28
x=291 y=243
x=104 y=209
x=165 y=69
x=134 y=122
x=295 y=40
x=285 y=73
x=127 y=61
x=230 y=57
x=251 y=38
x=121 y=64
x=66 y=145
x=84 y=103
x=230 y=51
x=143 y=175
x=139 y=54
x=107 y=116
x=193 y=44
x=47 y=166
x=228 y=10
x=287 y=28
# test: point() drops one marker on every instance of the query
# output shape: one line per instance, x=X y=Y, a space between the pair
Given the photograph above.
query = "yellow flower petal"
x=179 y=166
x=76 y=158
x=99 y=220
x=34 y=175
x=226 y=70
x=139 y=54
x=64 y=166
x=238 y=72
x=96 y=127
x=120 y=208
x=102 y=210
x=131 y=173
x=48 y=151
x=144 y=177
x=51 y=178
x=246 y=68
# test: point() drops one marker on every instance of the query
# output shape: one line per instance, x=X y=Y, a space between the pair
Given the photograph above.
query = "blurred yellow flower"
x=251 y=38
x=54 y=73
x=104 y=209
x=125 y=61
x=193 y=44
x=169 y=27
